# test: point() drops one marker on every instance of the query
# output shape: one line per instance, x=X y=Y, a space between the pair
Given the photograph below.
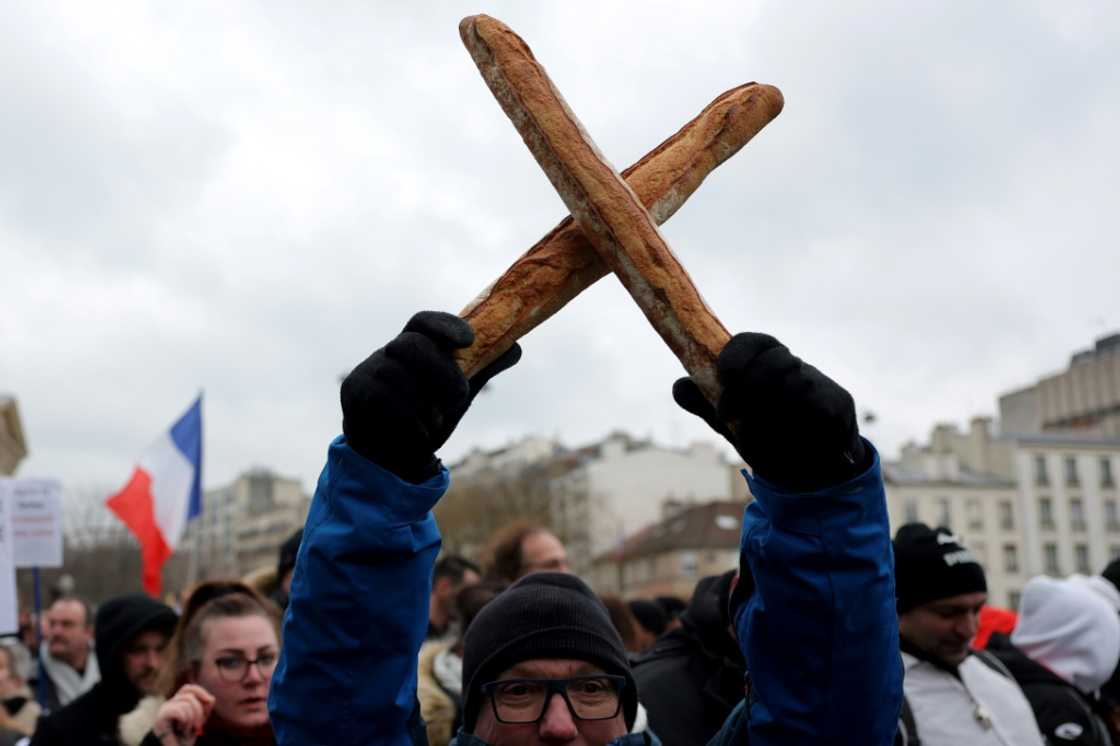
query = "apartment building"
x=1085 y=397
x=1026 y=505
x=244 y=523
x=670 y=556
x=618 y=486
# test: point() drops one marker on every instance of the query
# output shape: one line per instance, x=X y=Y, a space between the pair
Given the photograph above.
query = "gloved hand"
x=795 y=426
x=402 y=403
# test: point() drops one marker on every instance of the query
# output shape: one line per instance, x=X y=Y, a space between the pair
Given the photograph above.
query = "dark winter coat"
x=1065 y=715
x=692 y=678
x=92 y=718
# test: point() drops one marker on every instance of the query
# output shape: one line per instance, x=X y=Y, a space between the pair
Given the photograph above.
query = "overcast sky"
x=248 y=199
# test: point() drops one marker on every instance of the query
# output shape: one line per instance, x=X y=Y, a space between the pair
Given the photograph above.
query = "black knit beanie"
x=547 y=615
x=930 y=564
x=286 y=560
x=1111 y=572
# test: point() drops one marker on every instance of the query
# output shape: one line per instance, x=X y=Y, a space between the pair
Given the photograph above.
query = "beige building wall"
x=1085 y=396
x=1056 y=511
x=1070 y=503
x=244 y=523
x=985 y=517
x=624 y=486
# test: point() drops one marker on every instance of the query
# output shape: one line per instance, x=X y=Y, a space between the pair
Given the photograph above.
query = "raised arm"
x=814 y=609
x=359 y=601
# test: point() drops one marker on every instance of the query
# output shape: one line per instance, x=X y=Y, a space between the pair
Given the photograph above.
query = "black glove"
x=795 y=426
x=402 y=403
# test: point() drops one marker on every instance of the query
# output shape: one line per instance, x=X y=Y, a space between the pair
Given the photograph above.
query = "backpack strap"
x=907 y=734
x=991 y=661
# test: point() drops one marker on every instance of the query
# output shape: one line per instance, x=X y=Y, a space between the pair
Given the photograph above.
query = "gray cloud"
x=250 y=199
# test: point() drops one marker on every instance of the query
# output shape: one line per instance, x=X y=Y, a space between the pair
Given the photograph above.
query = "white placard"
x=9 y=603
x=35 y=510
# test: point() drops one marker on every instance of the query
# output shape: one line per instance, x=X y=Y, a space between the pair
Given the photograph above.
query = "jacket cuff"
x=815 y=511
x=397 y=499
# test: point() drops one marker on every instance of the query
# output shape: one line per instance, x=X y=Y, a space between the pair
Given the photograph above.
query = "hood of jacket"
x=706 y=618
x=1101 y=586
x=1070 y=630
x=117 y=624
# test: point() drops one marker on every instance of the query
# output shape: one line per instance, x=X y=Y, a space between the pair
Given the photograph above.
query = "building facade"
x=620 y=485
x=1084 y=397
x=1025 y=505
x=244 y=523
x=670 y=556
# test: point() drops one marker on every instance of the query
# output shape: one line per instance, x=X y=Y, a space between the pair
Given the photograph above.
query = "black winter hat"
x=288 y=552
x=930 y=564
x=547 y=615
x=1111 y=572
x=650 y=615
x=119 y=620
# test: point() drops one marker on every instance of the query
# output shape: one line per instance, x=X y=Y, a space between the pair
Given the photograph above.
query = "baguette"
x=611 y=216
x=563 y=263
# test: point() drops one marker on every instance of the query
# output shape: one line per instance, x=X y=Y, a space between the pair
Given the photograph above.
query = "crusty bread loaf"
x=609 y=213
x=563 y=263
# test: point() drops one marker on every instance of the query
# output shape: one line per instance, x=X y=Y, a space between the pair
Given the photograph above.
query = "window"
x=1071 y=471
x=1006 y=515
x=1050 y=559
x=1013 y=599
x=980 y=551
x=689 y=565
x=1081 y=558
x=1041 y=478
x=1111 y=515
x=912 y=510
x=944 y=513
x=1046 y=513
x=1106 y=472
x=1010 y=558
x=975 y=514
x=1076 y=514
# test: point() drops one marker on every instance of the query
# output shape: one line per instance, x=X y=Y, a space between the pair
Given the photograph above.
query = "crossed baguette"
x=612 y=230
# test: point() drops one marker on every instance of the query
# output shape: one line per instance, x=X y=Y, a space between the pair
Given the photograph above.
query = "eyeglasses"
x=596 y=697
x=234 y=668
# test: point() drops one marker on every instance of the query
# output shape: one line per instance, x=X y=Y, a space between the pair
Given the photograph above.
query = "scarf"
x=68 y=683
x=448 y=670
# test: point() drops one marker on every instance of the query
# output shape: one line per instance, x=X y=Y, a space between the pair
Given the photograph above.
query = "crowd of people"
x=829 y=630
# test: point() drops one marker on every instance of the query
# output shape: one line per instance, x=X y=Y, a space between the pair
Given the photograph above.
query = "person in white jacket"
x=952 y=695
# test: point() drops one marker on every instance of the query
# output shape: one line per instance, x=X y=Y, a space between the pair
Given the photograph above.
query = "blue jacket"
x=821 y=630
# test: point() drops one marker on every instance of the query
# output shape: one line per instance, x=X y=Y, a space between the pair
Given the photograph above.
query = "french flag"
x=164 y=493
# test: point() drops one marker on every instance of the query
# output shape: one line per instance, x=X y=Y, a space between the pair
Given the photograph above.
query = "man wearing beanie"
x=952 y=696
x=542 y=663
x=131 y=633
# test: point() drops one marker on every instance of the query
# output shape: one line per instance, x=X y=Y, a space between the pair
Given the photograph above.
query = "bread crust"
x=613 y=218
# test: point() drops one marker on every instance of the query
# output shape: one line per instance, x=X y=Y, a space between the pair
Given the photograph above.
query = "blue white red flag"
x=164 y=493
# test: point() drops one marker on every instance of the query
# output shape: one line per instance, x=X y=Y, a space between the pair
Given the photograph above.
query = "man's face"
x=68 y=631
x=446 y=589
x=558 y=725
x=543 y=552
x=944 y=628
x=143 y=660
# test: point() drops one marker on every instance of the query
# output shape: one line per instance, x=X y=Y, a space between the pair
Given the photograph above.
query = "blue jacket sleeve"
x=820 y=633
x=358 y=610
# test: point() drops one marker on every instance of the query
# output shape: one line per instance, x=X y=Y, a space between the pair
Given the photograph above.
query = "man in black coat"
x=131 y=634
x=1064 y=647
x=692 y=678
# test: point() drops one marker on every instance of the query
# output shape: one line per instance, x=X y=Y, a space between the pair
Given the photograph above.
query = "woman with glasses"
x=226 y=650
